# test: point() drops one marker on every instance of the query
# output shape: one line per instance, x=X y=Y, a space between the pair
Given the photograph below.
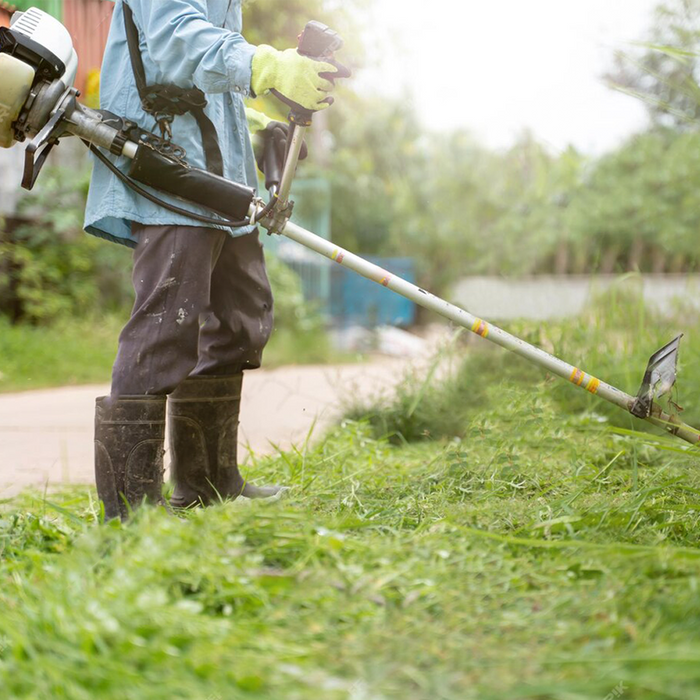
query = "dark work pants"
x=203 y=307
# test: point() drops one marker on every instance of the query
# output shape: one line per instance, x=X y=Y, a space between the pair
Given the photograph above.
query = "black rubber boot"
x=203 y=438
x=129 y=436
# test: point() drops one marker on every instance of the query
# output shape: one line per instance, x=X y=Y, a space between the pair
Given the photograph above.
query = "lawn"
x=82 y=351
x=517 y=542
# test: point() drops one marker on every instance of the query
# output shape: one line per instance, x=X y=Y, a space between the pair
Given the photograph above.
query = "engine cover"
x=15 y=82
x=43 y=41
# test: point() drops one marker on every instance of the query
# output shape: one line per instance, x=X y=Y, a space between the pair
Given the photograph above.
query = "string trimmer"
x=38 y=102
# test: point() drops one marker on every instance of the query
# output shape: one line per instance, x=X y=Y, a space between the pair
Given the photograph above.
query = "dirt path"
x=46 y=436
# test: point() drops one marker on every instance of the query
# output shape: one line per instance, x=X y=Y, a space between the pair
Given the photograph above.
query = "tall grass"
x=612 y=340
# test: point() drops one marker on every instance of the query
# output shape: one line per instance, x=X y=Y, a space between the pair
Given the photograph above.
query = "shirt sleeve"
x=188 y=48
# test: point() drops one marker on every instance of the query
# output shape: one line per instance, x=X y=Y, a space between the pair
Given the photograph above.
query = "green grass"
x=82 y=352
x=69 y=352
x=612 y=340
x=536 y=559
x=522 y=544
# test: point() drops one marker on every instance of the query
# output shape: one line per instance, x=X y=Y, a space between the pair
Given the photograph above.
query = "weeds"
x=613 y=340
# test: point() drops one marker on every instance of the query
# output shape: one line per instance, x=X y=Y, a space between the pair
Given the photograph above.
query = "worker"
x=203 y=306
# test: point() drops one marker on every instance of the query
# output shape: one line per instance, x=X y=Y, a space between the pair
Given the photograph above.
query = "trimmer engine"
x=38 y=65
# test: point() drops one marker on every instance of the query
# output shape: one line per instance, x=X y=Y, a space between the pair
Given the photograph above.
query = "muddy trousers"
x=203 y=308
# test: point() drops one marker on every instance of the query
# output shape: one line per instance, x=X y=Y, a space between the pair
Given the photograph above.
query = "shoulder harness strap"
x=165 y=102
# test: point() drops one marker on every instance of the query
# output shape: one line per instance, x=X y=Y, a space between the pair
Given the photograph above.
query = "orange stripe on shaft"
x=480 y=328
x=577 y=376
x=593 y=385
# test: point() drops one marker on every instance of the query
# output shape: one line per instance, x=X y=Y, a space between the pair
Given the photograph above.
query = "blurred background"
x=510 y=156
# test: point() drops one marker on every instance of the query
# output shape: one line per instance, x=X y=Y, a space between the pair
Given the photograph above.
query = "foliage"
x=541 y=557
x=51 y=272
x=455 y=206
x=644 y=199
x=291 y=311
x=81 y=350
x=458 y=208
x=51 y=269
x=663 y=71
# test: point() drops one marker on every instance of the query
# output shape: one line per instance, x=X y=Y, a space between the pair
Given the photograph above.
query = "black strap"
x=167 y=101
x=132 y=40
x=210 y=142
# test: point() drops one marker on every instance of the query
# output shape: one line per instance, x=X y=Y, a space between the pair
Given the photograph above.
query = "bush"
x=51 y=269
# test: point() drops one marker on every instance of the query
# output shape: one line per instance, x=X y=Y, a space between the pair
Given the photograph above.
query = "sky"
x=498 y=67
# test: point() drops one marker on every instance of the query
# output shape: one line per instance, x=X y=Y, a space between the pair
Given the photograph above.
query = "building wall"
x=88 y=22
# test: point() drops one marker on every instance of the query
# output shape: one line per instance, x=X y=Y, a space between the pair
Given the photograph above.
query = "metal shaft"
x=87 y=124
x=486 y=330
x=291 y=161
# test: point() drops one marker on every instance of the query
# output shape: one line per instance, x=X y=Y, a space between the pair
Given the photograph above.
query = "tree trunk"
x=609 y=260
x=658 y=261
x=581 y=263
x=561 y=259
x=677 y=263
x=634 y=261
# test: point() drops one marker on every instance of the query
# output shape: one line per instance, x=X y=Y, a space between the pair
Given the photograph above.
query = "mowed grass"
x=535 y=549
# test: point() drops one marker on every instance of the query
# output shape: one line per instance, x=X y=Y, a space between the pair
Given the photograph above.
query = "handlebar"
x=320 y=43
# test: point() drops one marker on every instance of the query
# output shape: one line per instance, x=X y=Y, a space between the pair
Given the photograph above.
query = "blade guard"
x=659 y=378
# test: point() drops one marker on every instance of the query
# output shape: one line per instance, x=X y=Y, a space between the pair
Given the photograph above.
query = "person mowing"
x=203 y=306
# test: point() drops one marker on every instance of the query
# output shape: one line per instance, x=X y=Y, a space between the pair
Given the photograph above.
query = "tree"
x=643 y=201
x=665 y=70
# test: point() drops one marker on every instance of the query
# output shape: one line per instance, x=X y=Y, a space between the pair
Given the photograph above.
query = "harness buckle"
x=164 y=122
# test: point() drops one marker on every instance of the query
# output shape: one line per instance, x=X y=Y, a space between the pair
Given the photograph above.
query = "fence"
x=312 y=210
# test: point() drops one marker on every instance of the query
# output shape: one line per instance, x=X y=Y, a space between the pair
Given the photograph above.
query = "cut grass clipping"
x=534 y=552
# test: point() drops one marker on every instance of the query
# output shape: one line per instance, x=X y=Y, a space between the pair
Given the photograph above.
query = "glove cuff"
x=257 y=121
x=264 y=69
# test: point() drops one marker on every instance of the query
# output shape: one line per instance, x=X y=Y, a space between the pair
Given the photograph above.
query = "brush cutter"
x=37 y=101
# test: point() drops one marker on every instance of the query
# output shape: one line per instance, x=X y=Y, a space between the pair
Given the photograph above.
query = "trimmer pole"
x=487 y=330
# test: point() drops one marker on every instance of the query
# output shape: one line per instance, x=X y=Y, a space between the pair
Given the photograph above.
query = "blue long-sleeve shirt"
x=189 y=43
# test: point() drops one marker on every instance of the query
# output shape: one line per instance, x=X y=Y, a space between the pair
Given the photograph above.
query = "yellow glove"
x=257 y=121
x=294 y=76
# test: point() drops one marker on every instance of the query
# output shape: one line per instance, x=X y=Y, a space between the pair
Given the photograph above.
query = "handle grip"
x=272 y=166
x=320 y=43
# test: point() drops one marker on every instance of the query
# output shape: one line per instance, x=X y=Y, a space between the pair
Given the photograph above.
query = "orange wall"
x=88 y=22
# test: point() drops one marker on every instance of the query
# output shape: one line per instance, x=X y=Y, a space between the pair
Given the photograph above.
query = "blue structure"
x=356 y=301
x=344 y=297
x=312 y=210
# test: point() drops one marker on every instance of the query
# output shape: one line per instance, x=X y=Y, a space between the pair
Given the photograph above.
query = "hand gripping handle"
x=320 y=43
